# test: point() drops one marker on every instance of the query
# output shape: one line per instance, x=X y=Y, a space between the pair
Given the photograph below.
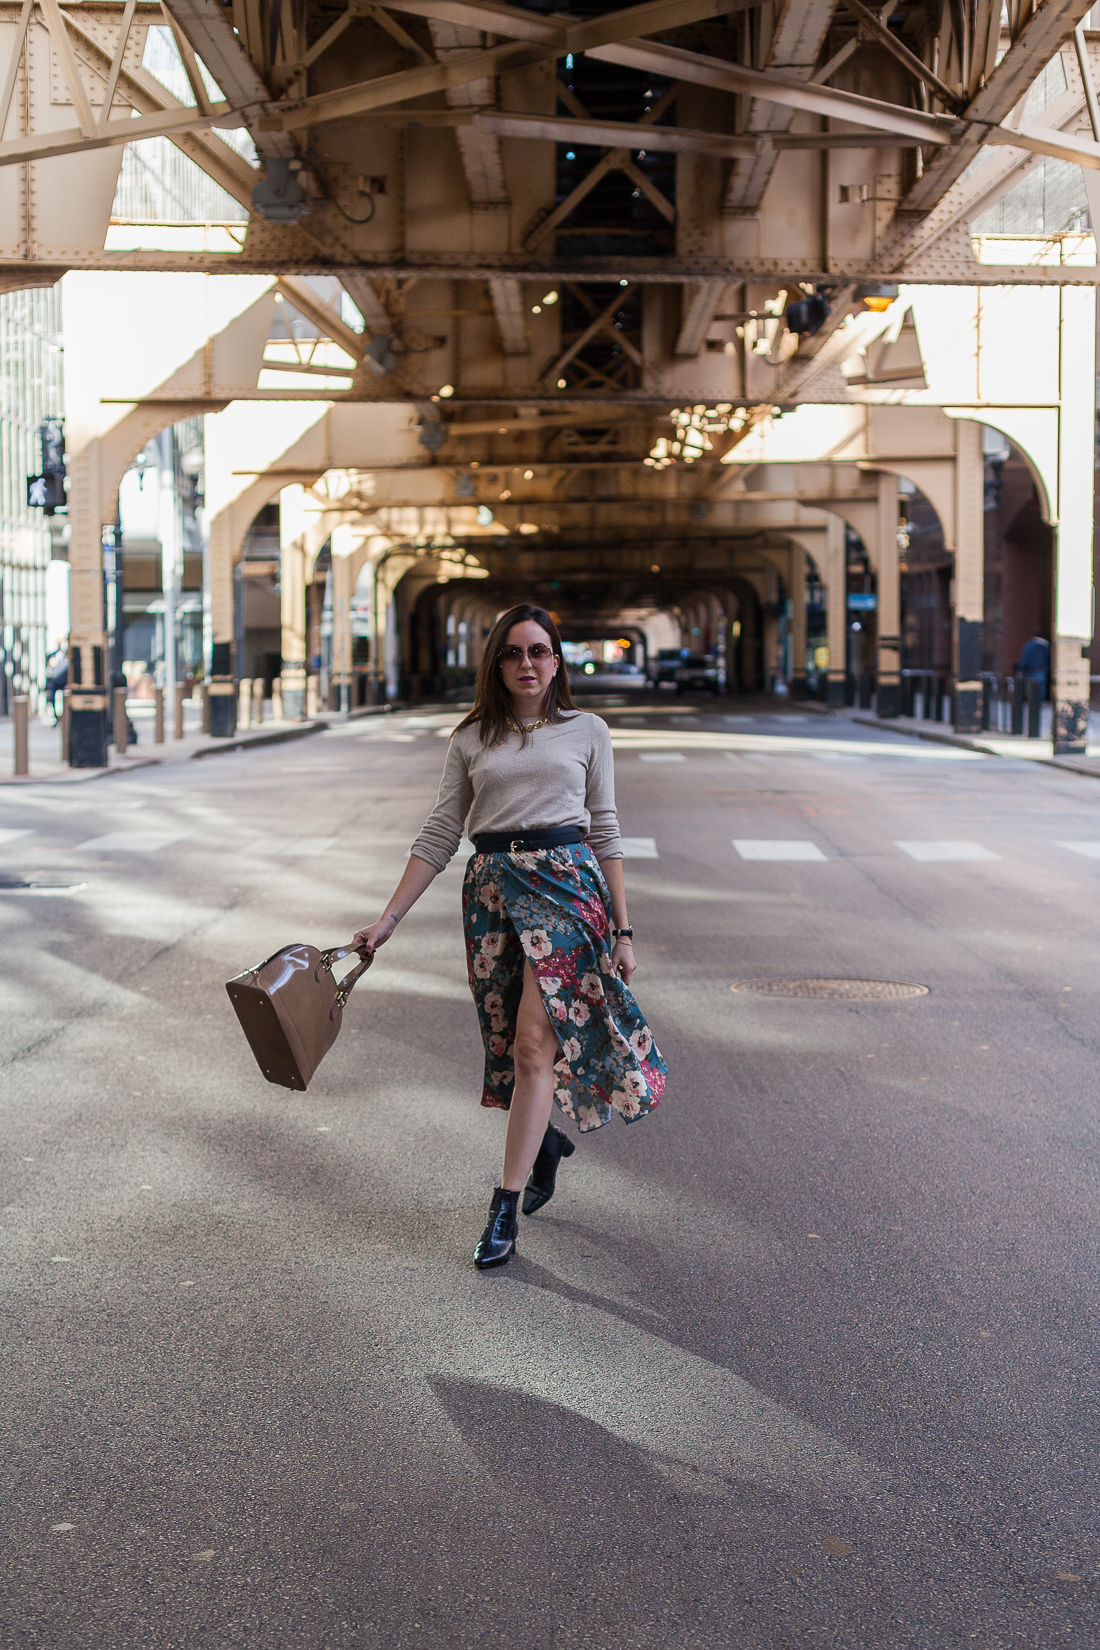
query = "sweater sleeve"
x=441 y=832
x=599 y=795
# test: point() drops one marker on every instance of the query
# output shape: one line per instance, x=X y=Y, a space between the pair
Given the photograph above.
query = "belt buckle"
x=512 y=849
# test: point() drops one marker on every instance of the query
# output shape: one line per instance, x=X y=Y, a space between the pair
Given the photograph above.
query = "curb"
x=245 y=744
x=960 y=741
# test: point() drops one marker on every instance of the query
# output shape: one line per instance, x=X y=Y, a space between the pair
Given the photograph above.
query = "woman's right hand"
x=367 y=940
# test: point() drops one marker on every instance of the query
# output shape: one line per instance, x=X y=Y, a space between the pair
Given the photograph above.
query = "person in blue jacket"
x=1035 y=661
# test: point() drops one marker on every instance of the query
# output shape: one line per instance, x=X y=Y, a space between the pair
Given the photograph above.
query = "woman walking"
x=548 y=942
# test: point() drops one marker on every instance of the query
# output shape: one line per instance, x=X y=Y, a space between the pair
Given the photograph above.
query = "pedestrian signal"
x=46 y=492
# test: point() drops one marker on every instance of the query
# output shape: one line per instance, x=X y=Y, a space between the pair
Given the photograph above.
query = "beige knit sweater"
x=564 y=775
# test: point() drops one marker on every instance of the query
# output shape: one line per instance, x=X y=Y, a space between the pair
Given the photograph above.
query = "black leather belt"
x=502 y=842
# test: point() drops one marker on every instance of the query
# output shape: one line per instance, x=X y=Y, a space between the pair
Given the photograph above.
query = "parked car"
x=663 y=667
x=697 y=674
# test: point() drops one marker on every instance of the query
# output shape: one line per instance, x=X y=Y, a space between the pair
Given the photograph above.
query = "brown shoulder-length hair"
x=492 y=703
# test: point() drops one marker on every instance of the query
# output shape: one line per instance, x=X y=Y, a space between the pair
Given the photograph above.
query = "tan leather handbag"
x=290 y=1008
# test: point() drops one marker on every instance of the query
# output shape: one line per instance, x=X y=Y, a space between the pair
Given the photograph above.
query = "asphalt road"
x=807 y=1358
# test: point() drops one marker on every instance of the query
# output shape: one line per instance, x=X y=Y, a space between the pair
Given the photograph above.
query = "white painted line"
x=291 y=847
x=776 y=848
x=268 y=845
x=10 y=835
x=1091 y=850
x=838 y=756
x=946 y=850
x=639 y=847
x=308 y=847
x=661 y=756
x=785 y=744
x=129 y=842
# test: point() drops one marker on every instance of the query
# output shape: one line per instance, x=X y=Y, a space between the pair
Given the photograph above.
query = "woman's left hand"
x=622 y=960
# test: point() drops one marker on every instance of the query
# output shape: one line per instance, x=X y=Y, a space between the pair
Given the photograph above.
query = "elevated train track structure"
x=613 y=269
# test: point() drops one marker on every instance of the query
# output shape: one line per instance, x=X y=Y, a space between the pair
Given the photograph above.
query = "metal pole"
x=177 y=712
x=1034 y=705
x=20 y=715
x=122 y=731
x=170 y=556
x=66 y=709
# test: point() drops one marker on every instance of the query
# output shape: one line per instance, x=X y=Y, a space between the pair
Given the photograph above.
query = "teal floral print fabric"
x=551 y=907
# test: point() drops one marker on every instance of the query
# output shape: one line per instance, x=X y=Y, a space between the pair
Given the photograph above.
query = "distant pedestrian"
x=549 y=948
x=1035 y=661
x=57 y=679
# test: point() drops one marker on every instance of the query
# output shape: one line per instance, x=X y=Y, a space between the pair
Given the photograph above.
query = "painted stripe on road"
x=639 y=847
x=661 y=756
x=129 y=842
x=291 y=847
x=10 y=835
x=776 y=848
x=946 y=850
x=1091 y=850
x=791 y=744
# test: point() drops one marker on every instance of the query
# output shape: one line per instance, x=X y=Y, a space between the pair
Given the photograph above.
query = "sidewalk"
x=47 y=766
x=990 y=744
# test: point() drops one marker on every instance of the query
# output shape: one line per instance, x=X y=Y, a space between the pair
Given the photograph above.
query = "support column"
x=833 y=570
x=87 y=635
x=888 y=700
x=292 y=584
x=223 y=675
x=344 y=544
x=798 y=622
x=966 y=647
x=1073 y=596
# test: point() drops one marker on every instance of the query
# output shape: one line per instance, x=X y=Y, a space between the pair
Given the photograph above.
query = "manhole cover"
x=859 y=991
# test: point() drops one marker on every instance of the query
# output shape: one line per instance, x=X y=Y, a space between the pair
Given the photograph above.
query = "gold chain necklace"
x=527 y=727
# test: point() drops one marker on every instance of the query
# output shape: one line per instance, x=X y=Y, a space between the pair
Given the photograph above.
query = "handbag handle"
x=344 y=992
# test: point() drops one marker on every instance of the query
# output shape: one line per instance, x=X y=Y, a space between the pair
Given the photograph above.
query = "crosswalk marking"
x=661 y=756
x=776 y=848
x=129 y=842
x=1091 y=850
x=7 y=835
x=946 y=850
x=294 y=847
x=639 y=847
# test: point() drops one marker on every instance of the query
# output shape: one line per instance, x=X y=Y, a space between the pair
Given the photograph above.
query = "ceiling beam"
x=654 y=58
x=72 y=140
x=655 y=17
x=609 y=133
x=544 y=40
x=1045 y=31
x=314 y=308
x=207 y=26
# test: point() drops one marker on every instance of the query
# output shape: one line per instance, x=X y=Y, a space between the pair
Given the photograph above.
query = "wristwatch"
x=623 y=933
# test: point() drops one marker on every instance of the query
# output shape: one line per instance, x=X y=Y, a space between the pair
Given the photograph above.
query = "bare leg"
x=535 y=1052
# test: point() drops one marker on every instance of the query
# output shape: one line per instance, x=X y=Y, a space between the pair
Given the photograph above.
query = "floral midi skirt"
x=551 y=907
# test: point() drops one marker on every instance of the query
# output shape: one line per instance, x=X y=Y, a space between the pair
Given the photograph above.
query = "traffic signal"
x=46 y=492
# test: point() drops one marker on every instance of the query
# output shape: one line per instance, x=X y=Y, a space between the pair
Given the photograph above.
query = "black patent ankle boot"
x=498 y=1241
x=540 y=1187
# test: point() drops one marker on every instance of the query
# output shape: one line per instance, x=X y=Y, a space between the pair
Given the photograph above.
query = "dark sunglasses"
x=538 y=653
